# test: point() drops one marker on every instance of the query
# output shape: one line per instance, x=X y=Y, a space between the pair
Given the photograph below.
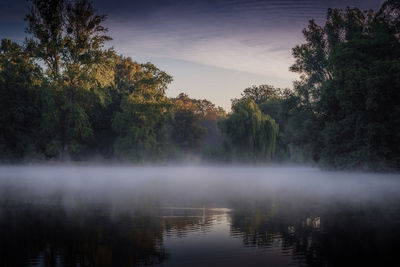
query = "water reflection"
x=322 y=234
x=51 y=236
x=262 y=233
x=265 y=226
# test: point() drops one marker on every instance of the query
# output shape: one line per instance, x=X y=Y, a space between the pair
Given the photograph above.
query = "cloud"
x=259 y=52
x=237 y=53
x=250 y=40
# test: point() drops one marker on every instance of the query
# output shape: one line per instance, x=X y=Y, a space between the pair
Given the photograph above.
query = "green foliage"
x=193 y=126
x=68 y=37
x=349 y=87
x=46 y=23
x=249 y=133
x=365 y=92
x=140 y=123
x=64 y=95
x=261 y=94
x=185 y=120
x=20 y=79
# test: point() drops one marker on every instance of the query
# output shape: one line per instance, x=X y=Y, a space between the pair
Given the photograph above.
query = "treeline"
x=64 y=95
x=344 y=111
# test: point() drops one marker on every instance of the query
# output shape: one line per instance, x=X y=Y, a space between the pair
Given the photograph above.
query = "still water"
x=197 y=216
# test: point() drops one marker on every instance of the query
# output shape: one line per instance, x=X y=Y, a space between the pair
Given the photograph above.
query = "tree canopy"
x=65 y=95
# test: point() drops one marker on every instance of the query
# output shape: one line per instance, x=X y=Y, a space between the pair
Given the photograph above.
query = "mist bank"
x=122 y=187
x=216 y=215
x=65 y=96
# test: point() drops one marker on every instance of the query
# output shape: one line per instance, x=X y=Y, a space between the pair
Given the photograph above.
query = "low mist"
x=210 y=186
x=201 y=215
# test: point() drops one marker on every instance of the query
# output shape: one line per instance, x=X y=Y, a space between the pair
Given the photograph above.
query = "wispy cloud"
x=253 y=36
x=246 y=39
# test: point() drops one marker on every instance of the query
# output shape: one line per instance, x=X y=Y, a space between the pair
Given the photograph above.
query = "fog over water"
x=203 y=184
x=73 y=215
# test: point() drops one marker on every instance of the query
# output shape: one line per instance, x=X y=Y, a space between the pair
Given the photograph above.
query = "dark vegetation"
x=64 y=96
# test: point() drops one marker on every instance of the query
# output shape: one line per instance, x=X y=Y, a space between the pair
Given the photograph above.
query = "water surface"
x=197 y=216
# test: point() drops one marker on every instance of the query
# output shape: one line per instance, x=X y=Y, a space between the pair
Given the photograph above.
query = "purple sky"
x=213 y=48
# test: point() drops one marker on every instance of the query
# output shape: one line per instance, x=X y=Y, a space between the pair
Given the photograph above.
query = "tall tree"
x=46 y=22
x=69 y=38
x=349 y=88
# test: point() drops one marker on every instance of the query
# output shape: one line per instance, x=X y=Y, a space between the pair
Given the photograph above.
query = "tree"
x=363 y=125
x=349 y=88
x=248 y=132
x=46 y=20
x=187 y=132
x=20 y=81
x=262 y=93
x=68 y=37
x=140 y=123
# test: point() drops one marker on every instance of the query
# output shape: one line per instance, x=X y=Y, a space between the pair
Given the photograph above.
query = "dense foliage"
x=350 y=87
x=64 y=95
x=250 y=134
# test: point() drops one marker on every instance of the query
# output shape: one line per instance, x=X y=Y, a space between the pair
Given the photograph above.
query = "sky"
x=214 y=49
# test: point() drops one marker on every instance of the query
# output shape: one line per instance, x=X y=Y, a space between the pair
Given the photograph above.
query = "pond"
x=197 y=216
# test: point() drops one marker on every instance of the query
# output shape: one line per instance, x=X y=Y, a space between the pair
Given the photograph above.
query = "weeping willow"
x=249 y=132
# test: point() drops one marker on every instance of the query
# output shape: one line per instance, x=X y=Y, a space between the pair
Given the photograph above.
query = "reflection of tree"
x=332 y=235
x=79 y=239
x=91 y=235
x=179 y=222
